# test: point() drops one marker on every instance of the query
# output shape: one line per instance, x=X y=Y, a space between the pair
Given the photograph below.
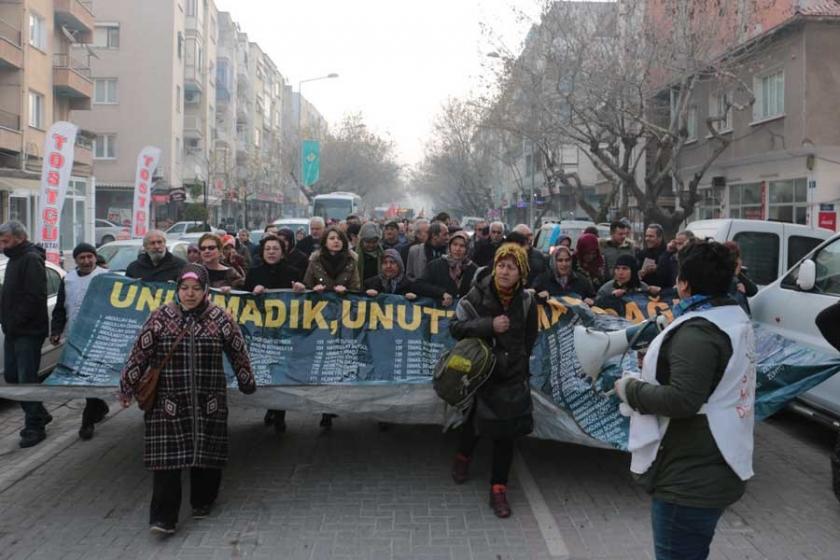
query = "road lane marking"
x=545 y=519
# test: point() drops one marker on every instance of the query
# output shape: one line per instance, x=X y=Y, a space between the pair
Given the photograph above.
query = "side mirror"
x=807 y=275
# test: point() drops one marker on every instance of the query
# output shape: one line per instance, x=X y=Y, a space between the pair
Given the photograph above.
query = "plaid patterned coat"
x=188 y=425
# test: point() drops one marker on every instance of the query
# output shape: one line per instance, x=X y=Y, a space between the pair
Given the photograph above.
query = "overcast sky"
x=397 y=60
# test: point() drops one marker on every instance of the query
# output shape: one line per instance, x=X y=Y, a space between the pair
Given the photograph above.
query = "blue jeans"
x=682 y=532
x=21 y=362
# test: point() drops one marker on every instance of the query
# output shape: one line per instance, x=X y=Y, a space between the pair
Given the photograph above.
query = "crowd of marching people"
x=493 y=278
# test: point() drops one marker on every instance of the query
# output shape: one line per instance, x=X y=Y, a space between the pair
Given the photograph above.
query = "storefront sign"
x=55 y=175
x=827 y=220
x=178 y=195
x=147 y=162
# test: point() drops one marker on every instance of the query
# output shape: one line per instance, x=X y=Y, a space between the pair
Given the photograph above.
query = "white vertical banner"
x=147 y=162
x=55 y=176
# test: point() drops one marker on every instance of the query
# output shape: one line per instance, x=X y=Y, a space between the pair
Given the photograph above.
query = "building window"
x=720 y=105
x=710 y=204
x=177 y=99
x=769 y=96
x=191 y=8
x=105 y=91
x=105 y=146
x=788 y=201
x=691 y=123
x=180 y=45
x=177 y=149
x=746 y=201
x=107 y=36
x=569 y=155
x=36 y=110
x=257 y=137
x=37 y=32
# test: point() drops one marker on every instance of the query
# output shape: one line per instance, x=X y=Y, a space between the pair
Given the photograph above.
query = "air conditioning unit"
x=192 y=96
x=193 y=144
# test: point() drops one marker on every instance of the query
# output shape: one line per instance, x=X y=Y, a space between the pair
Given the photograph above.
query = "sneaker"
x=47 y=419
x=86 y=431
x=268 y=419
x=498 y=501
x=201 y=512
x=460 y=468
x=162 y=528
x=31 y=438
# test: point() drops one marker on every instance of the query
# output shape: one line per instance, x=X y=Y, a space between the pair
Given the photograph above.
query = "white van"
x=789 y=307
x=768 y=249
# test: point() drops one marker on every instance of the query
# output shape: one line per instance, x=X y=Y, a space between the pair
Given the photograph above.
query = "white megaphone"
x=593 y=348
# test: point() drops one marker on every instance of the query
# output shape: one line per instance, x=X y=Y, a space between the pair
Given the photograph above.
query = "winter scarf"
x=588 y=244
x=520 y=258
x=390 y=284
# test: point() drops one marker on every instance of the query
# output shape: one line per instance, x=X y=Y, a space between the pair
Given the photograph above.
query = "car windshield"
x=333 y=209
x=118 y=257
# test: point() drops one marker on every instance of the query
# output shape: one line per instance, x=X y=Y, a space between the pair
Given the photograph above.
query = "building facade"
x=44 y=79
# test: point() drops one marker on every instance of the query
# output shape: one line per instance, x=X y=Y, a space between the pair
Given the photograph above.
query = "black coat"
x=298 y=260
x=503 y=405
x=578 y=285
x=666 y=273
x=403 y=287
x=436 y=280
x=167 y=270
x=483 y=252
x=308 y=245
x=23 y=301
x=272 y=276
x=537 y=264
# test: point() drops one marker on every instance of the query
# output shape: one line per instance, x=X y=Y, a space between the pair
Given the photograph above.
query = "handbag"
x=146 y=393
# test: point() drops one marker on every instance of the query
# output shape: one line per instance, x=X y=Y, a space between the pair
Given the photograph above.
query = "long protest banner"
x=375 y=356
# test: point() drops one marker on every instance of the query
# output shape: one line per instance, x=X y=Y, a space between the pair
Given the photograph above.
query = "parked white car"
x=768 y=249
x=789 y=307
x=293 y=224
x=109 y=231
x=179 y=229
x=49 y=353
x=119 y=254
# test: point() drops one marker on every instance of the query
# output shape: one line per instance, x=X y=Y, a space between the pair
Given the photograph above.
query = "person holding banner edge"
x=187 y=425
x=692 y=420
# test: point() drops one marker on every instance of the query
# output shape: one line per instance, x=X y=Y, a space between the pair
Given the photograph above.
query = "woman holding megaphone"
x=691 y=426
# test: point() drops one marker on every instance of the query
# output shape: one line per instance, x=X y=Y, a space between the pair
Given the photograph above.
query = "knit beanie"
x=84 y=248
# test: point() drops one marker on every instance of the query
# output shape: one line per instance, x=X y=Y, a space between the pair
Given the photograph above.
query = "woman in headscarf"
x=332 y=268
x=187 y=425
x=296 y=258
x=561 y=280
x=391 y=278
x=221 y=276
x=449 y=277
x=626 y=280
x=588 y=259
x=230 y=256
x=504 y=314
x=193 y=254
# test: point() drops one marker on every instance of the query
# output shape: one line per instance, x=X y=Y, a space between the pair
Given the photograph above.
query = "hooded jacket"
x=167 y=270
x=23 y=300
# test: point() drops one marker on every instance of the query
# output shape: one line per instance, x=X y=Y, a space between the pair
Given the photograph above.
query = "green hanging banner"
x=310 y=163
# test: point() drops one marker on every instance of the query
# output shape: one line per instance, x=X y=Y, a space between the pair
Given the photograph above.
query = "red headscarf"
x=588 y=244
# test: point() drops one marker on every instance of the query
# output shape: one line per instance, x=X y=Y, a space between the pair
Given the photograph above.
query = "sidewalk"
x=360 y=493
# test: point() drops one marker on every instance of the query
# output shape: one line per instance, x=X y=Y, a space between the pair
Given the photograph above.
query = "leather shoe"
x=31 y=438
x=498 y=501
x=86 y=431
x=268 y=419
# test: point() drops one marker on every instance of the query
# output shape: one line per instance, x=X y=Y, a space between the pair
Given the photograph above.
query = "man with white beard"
x=156 y=264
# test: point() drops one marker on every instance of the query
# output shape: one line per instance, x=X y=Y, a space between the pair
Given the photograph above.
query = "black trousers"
x=166 y=492
x=95 y=410
x=502 y=451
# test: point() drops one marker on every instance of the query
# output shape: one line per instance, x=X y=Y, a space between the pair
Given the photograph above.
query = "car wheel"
x=106 y=239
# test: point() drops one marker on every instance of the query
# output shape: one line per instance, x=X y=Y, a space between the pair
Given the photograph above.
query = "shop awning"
x=20 y=184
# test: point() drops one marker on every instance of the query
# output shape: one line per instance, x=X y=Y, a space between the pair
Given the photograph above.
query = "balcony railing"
x=10 y=33
x=61 y=60
x=9 y=120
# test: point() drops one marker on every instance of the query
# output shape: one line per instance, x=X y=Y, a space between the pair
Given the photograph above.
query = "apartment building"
x=783 y=163
x=154 y=84
x=43 y=80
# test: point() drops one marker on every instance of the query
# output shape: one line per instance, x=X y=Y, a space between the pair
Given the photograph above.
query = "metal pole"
x=531 y=194
x=299 y=138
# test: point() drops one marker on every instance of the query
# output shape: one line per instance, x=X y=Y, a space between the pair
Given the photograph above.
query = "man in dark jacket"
x=156 y=264
x=391 y=236
x=369 y=251
x=312 y=242
x=419 y=256
x=521 y=235
x=25 y=323
x=655 y=268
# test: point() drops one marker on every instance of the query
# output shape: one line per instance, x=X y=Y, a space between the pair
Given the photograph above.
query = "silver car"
x=49 y=353
x=119 y=254
x=108 y=231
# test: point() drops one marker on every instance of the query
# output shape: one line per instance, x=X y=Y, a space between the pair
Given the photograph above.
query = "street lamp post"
x=299 y=116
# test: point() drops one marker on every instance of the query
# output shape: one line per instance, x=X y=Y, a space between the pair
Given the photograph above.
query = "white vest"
x=75 y=288
x=729 y=409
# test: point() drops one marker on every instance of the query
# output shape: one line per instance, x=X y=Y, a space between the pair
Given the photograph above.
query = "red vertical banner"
x=147 y=162
x=55 y=176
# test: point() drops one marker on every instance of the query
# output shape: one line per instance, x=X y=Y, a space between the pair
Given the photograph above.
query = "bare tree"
x=355 y=159
x=456 y=166
x=619 y=81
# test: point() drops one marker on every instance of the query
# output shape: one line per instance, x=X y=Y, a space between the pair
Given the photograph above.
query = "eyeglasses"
x=209 y=248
